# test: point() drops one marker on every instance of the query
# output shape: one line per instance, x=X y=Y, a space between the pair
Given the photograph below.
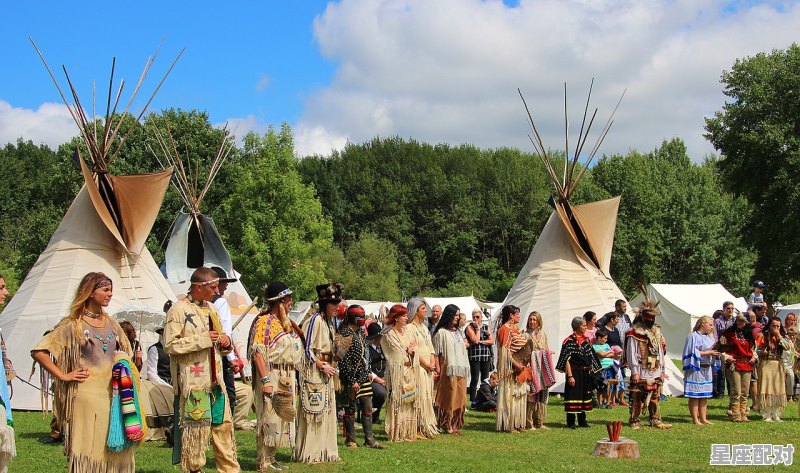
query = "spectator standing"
x=698 y=352
x=480 y=352
x=721 y=324
x=738 y=347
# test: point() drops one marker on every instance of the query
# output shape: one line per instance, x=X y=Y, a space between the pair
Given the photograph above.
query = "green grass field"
x=685 y=448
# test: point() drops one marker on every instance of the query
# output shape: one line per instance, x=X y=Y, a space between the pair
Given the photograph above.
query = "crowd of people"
x=421 y=366
x=756 y=356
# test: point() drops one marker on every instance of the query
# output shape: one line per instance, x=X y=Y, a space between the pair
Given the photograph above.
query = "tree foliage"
x=758 y=133
x=454 y=214
x=273 y=223
x=675 y=223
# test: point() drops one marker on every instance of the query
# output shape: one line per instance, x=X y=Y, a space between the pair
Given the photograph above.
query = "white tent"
x=682 y=304
x=194 y=241
x=567 y=272
x=83 y=242
x=466 y=304
x=560 y=281
x=104 y=230
x=783 y=310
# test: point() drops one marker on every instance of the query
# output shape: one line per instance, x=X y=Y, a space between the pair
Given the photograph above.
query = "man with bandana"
x=194 y=338
x=645 y=354
x=352 y=353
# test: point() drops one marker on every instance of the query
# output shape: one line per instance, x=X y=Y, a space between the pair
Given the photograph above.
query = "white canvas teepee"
x=104 y=230
x=194 y=240
x=567 y=272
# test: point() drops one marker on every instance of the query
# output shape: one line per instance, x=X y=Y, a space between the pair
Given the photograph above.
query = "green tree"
x=271 y=222
x=676 y=224
x=37 y=186
x=370 y=269
x=758 y=134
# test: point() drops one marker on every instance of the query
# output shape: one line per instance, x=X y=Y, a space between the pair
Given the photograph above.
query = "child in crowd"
x=757 y=296
x=603 y=350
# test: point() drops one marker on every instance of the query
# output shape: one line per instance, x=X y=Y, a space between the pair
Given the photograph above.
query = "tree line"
x=394 y=217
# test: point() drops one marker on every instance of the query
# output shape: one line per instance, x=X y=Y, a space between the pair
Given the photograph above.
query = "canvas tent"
x=682 y=304
x=465 y=304
x=194 y=241
x=567 y=272
x=103 y=230
x=783 y=310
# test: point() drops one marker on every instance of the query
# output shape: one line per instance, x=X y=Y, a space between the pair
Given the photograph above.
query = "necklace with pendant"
x=105 y=341
x=90 y=314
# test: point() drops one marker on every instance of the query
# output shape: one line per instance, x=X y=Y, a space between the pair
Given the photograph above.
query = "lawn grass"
x=685 y=448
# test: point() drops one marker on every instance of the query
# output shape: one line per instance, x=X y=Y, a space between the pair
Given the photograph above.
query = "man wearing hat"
x=316 y=427
x=230 y=363
x=377 y=370
x=645 y=354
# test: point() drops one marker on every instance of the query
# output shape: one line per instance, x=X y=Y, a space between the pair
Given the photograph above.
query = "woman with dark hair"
x=351 y=350
x=399 y=346
x=426 y=368
x=738 y=351
x=591 y=324
x=276 y=353
x=316 y=425
x=512 y=389
x=130 y=332
x=771 y=373
x=451 y=396
x=86 y=345
x=578 y=361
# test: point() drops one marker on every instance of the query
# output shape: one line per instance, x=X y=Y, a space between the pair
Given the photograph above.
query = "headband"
x=206 y=283
x=281 y=294
x=356 y=312
x=103 y=283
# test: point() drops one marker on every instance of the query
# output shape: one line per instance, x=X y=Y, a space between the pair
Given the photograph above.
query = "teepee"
x=194 y=241
x=567 y=272
x=103 y=230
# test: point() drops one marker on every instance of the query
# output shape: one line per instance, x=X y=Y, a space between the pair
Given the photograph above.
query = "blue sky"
x=257 y=58
x=436 y=71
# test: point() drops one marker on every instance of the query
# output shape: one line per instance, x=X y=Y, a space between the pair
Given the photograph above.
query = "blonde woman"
x=698 y=357
x=542 y=373
x=427 y=368
x=84 y=345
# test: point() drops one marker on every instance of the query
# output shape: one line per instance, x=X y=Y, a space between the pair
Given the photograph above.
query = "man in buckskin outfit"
x=645 y=355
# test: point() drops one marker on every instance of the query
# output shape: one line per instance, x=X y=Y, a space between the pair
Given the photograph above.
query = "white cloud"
x=447 y=71
x=263 y=82
x=307 y=140
x=316 y=140
x=50 y=124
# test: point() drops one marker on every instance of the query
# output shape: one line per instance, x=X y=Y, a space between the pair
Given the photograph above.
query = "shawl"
x=583 y=354
x=695 y=343
x=125 y=425
x=448 y=345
